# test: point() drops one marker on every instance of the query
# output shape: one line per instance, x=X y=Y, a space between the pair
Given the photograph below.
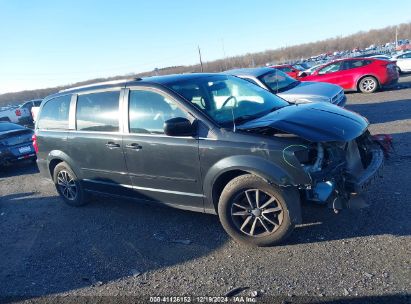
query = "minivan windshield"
x=278 y=81
x=227 y=99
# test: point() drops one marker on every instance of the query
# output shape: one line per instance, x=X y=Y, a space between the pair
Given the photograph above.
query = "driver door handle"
x=134 y=146
x=112 y=145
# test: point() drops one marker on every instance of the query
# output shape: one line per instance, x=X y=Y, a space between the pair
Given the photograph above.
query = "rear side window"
x=352 y=64
x=55 y=114
x=98 y=112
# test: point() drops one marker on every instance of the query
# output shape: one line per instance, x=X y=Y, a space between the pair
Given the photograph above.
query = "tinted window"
x=149 y=110
x=55 y=113
x=352 y=64
x=98 y=112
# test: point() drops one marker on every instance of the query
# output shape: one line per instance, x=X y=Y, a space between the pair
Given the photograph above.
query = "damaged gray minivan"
x=210 y=143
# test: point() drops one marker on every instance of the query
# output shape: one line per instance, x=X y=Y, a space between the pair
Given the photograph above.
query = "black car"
x=206 y=142
x=15 y=143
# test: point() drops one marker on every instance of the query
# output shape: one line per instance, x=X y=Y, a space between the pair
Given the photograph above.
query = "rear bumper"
x=390 y=83
x=373 y=171
x=8 y=158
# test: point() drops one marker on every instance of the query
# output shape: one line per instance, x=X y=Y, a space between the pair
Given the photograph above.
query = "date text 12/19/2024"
x=203 y=299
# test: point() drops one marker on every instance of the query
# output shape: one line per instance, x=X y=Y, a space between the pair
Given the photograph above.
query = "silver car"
x=290 y=89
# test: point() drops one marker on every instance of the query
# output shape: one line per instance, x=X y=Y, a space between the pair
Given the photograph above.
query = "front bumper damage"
x=342 y=172
x=356 y=187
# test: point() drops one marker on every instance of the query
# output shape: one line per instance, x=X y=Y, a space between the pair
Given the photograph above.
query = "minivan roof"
x=152 y=79
x=159 y=80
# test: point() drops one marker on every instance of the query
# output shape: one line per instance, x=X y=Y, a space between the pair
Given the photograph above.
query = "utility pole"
x=225 y=56
x=396 y=36
x=201 y=61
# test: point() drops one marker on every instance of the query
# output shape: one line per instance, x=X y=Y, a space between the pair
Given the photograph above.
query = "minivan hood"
x=316 y=122
x=311 y=89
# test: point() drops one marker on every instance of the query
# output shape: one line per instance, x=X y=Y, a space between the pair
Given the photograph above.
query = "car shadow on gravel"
x=49 y=247
x=382 y=112
x=17 y=169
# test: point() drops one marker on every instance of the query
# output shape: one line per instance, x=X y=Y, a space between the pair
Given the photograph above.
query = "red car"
x=288 y=69
x=358 y=74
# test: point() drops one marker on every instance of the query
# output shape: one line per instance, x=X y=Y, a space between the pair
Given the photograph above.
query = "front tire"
x=68 y=185
x=368 y=85
x=256 y=213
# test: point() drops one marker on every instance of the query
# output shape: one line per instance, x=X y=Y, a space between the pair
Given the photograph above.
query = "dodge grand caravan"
x=206 y=142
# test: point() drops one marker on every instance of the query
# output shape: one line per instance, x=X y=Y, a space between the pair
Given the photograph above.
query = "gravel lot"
x=50 y=251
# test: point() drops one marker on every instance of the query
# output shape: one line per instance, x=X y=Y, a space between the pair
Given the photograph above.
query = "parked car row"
x=20 y=114
x=366 y=75
x=213 y=143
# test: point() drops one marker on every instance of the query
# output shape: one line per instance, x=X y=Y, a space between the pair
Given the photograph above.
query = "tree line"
x=360 y=40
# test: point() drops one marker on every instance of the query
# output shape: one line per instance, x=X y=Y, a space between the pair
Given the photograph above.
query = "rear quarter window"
x=55 y=114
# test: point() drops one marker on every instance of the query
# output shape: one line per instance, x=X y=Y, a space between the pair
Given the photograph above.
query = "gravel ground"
x=52 y=252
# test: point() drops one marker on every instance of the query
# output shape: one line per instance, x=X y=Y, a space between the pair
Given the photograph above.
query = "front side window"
x=331 y=68
x=149 y=110
x=98 y=112
x=55 y=114
x=228 y=99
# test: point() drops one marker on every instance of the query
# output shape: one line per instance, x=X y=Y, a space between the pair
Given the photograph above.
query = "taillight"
x=18 y=112
x=34 y=139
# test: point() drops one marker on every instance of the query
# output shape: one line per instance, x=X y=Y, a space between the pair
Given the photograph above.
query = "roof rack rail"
x=101 y=83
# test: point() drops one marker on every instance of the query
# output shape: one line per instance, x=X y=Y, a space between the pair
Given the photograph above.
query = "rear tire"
x=368 y=85
x=256 y=213
x=68 y=185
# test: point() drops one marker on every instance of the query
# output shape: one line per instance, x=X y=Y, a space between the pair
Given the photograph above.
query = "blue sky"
x=45 y=43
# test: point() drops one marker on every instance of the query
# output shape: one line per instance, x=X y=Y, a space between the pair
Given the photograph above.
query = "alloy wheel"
x=256 y=213
x=67 y=185
x=368 y=85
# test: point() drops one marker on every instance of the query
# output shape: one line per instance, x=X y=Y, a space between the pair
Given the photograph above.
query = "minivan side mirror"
x=178 y=126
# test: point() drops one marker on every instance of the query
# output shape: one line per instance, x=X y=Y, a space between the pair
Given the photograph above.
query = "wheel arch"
x=55 y=157
x=226 y=169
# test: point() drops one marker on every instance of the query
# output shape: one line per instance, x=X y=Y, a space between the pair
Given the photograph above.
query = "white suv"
x=403 y=62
